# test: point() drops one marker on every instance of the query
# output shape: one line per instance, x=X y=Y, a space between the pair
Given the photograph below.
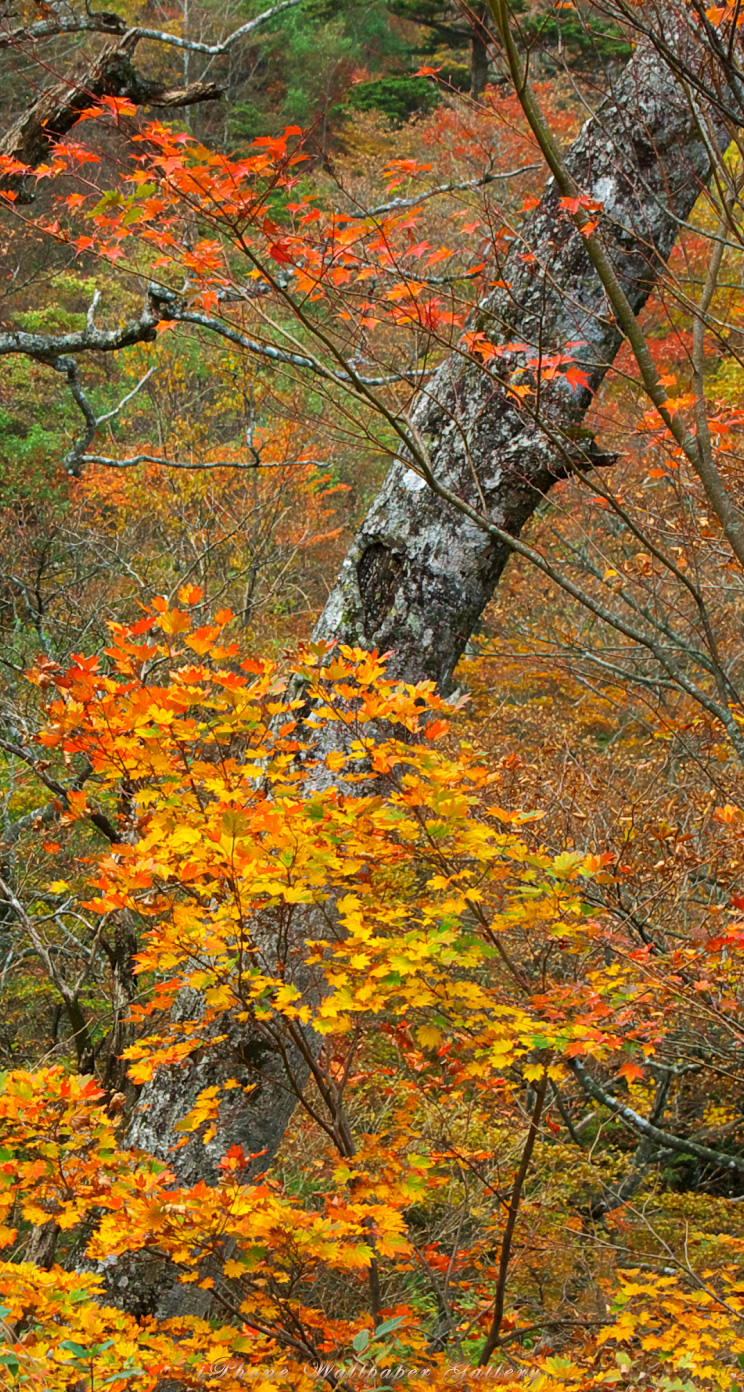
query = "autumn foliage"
x=490 y=947
x=338 y=820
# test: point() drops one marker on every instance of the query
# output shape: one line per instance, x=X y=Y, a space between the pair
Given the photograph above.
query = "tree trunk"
x=30 y=139
x=478 y=54
x=419 y=574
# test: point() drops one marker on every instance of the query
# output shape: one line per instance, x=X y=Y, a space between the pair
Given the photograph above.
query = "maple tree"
x=230 y=818
x=508 y=1035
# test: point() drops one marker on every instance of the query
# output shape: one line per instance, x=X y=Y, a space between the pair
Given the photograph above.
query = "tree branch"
x=218 y=49
x=49 y=348
x=613 y=1198
x=460 y=186
x=492 y=1339
x=198 y=464
x=112 y=73
x=61 y=790
x=162 y=305
x=58 y=352
x=104 y=22
x=645 y=1128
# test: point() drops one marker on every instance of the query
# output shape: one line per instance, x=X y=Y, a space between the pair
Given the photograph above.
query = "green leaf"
x=390 y=1324
x=70 y=1346
x=360 y=1341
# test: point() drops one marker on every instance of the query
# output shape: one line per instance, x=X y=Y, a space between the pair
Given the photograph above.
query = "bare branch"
x=489 y=178
x=49 y=348
x=264 y=350
x=165 y=305
x=216 y=50
x=58 y=352
x=492 y=1339
x=646 y=1128
x=64 y=24
x=76 y=456
x=107 y=23
x=197 y=464
x=101 y=420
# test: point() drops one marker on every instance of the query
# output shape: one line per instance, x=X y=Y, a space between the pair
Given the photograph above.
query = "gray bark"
x=665 y=1140
x=419 y=574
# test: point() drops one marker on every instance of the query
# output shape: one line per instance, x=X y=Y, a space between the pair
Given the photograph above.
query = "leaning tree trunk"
x=479 y=44
x=419 y=574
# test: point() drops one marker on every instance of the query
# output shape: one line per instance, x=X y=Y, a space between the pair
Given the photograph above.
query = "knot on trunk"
x=378 y=573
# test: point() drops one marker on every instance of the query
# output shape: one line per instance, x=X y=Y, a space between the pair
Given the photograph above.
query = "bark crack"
x=379 y=573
